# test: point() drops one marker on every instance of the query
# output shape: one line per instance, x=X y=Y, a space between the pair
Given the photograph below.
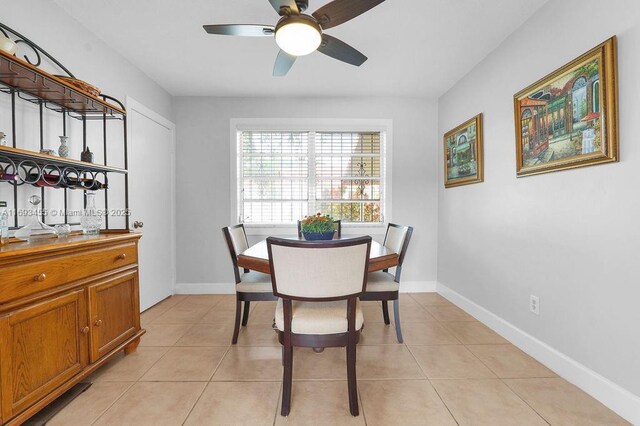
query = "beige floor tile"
x=373 y=314
x=209 y=300
x=129 y=368
x=330 y=364
x=167 y=303
x=485 y=402
x=449 y=313
x=158 y=309
x=319 y=403
x=427 y=333
x=262 y=313
x=163 y=334
x=186 y=365
x=561 y=403
x=378 y=333
x=236 y=403
x=449 y=362
x=90 y=404
x=217 y=315
x=430 y=299
x=227 y=303
x=507 y=361
x=183 y=313
x=250 y=363
x=219 y=334
x=148 y=317
x=412 y=313
x=406 y=299
x=153 y=404
x=387 y=362
x=474 y=333
x=402 y=402
x=255 y=334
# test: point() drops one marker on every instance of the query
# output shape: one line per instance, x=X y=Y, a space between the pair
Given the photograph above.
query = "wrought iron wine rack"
x=22 y=80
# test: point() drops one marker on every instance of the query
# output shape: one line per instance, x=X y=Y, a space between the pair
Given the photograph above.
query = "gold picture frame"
x=464 y=154
x=569 y=118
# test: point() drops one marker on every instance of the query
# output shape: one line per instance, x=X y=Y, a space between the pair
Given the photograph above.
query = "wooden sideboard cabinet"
x=66 y=307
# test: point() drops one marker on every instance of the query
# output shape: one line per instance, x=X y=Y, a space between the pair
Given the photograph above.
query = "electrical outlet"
x=534 y=304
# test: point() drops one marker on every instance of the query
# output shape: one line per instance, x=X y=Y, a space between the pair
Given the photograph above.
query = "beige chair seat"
x=381 y=281
x=318 y=317
x=254 y=282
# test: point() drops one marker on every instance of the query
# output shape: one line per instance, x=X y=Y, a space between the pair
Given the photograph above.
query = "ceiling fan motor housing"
x=302 y=5
x=303 y=19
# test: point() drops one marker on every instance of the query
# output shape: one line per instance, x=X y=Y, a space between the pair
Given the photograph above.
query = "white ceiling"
x=415 y=47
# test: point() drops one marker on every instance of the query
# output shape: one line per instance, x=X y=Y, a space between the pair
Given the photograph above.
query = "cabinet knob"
x=98 y=323
x=121 y=256
x=41 y=277
x=137 y=224
x=85 y=330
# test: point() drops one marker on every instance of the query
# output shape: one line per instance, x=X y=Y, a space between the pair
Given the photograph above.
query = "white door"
x=151 y=145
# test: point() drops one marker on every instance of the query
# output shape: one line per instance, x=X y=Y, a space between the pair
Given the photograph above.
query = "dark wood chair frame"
x=338 y=232
x=386 y=296
x=348 y=339
x=241 y=296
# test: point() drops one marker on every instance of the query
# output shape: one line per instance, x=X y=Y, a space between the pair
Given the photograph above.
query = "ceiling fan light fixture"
x=298 y=35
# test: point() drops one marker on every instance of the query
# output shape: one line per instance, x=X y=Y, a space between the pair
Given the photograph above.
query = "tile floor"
x=450 y=370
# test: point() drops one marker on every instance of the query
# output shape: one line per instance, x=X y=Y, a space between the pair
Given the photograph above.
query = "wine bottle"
x=7 y=177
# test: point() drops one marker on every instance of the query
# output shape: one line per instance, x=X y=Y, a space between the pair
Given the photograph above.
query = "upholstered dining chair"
x=383 y=286
x=336 y=235
x=251 y=286
x=318 y=283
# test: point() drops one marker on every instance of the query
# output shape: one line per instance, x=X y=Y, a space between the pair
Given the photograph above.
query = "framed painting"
x=569 y=118
x=463 y=154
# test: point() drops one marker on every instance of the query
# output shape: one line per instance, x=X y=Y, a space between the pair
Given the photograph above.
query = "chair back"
x=336 y=235
x=318 y=270
x=236 y=239
x=397 y=239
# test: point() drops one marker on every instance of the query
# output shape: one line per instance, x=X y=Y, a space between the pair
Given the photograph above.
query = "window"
x=283 y=176
x=596 y=95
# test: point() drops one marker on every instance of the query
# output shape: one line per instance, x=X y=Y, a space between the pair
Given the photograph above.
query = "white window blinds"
x=284 y=176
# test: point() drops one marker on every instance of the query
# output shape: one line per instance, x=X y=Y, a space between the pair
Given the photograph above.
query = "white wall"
x=89 y=59
x=571 y=237
x=203 y=173
x=84 y=54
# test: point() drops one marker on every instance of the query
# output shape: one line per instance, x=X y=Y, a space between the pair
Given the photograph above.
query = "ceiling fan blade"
x=341 y=51
x=246 y=30
x=283 y=64
x=340 y=11
x=279 y=4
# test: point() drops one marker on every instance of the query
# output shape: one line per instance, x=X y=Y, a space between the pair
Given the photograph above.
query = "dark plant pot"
x=313 y=236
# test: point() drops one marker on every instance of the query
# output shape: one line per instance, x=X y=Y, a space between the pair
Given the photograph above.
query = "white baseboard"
x=229 y=288
x=618 y=399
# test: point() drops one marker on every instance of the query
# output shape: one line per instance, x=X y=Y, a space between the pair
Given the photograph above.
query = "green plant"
x=317 y=224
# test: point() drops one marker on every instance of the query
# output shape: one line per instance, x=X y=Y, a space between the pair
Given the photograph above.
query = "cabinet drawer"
x=31 y=277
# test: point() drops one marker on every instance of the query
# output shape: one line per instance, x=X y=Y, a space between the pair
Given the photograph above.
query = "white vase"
x=63 y=151
x=7 y=45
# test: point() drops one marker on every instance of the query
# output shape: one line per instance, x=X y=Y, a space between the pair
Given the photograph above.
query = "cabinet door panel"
x=43 y=347
x=114 y=312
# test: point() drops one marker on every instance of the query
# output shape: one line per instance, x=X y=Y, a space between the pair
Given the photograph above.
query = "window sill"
x=352 y=229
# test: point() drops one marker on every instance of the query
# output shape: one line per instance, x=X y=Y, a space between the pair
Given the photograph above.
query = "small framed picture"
x=569 y=118
x=463 y=154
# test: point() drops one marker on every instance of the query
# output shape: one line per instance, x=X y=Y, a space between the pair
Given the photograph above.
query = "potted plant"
x=317 y=227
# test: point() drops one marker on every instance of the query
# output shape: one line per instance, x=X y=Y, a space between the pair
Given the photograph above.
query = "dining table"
x=256 y=257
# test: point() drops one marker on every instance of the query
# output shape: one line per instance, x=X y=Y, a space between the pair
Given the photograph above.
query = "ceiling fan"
x=299 y=34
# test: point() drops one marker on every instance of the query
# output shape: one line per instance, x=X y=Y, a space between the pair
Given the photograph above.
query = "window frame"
x=385 y=126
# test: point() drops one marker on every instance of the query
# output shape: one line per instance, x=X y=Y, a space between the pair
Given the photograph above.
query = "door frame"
x=133 y=105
